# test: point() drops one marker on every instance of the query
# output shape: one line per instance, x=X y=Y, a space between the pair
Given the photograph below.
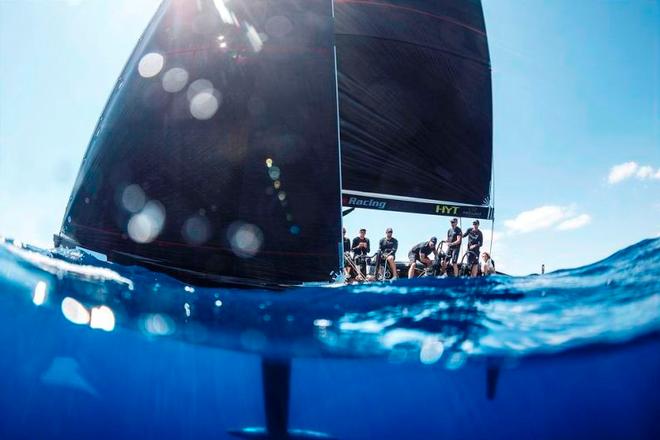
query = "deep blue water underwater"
x=93 y=350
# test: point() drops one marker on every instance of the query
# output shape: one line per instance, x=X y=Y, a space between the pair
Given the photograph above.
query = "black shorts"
x=473 y=257
x=452 y=255
x=412 y=257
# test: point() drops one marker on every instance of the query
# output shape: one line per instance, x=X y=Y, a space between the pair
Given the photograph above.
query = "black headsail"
x=415 y=105
x=216 y=157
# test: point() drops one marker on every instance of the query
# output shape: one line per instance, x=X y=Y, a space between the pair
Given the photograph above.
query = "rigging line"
x=492 y=233
x=492 y=200
x=348 y=211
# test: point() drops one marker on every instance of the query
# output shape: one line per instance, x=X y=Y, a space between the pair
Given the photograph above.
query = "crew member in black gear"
x=420 y=252
x=387 y=249
x=454 y=237
x=361 y=249
x=347 y=248
x=475 y=241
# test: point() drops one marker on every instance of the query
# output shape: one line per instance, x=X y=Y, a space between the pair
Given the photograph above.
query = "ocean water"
x=94 y=350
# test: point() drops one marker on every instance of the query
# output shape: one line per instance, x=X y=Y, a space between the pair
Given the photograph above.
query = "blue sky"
x=576 y=122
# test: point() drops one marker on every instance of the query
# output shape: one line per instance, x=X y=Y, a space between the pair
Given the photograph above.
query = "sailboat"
x=238 y=130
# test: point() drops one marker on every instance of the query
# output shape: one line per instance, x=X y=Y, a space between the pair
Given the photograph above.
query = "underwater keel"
x=293 y=434
x=492 y=377
x=276 y=384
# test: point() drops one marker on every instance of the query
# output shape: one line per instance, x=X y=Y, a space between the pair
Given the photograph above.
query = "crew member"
x=475 y=241
x=454 y=237
x=347 y=248
x=387 y=248
x=420 y=252
x=361 y=249
x=487 y=264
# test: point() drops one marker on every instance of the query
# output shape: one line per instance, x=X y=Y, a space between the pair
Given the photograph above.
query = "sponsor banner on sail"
x=418 y=207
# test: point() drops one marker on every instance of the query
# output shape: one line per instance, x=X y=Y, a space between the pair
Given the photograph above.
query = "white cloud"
x=575 y=222
x=545 y=217
x=538 y=218
x=496 y=236
x=627 y=170
x=622 y=171
x=644 y=172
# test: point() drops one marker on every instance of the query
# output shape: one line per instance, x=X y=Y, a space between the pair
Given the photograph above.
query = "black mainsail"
x=415 y=106
x=216 y=158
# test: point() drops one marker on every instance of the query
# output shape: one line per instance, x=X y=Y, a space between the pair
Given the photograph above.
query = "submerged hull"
x=62 y=381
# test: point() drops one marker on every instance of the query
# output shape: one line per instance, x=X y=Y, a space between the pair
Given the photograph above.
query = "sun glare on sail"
x=274 y=172
x=145 y=226
x=151 y=64
x=133 y=198
x=196 y=230
x=204 y=99
x=278 y=26
x=175 y=80
x=199 y=86
x=245 y=239
x=254 y=38
x=225 y=14
x=204 y=105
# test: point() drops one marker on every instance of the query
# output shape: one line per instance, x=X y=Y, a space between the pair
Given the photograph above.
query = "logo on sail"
x=446 y=210
x=367 y=203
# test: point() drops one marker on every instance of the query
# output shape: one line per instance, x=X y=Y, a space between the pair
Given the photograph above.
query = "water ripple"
x=445 y=321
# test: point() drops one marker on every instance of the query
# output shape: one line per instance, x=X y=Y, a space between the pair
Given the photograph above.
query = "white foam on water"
x=60 y=267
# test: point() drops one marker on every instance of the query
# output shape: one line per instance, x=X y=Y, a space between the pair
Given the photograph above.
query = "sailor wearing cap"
x=454 y=237
x=361 y=248
x=420 y=252
x=387 y=247
x=475 y=241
